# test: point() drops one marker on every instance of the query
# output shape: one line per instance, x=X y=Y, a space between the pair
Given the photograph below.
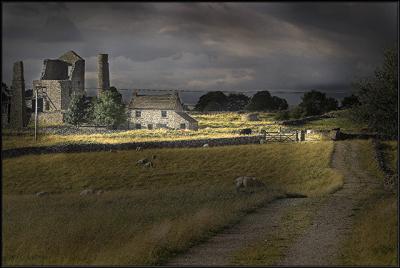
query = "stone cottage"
x=159 y=111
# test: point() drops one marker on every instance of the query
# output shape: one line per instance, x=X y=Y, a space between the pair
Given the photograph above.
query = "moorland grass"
x=342 y=121
x=374 y=237
x=146 y=215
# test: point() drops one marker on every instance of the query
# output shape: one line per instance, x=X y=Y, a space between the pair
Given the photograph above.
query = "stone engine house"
x=159 y=111
x=59 y=79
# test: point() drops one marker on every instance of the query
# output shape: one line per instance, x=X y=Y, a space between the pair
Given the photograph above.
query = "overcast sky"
x=205 y=46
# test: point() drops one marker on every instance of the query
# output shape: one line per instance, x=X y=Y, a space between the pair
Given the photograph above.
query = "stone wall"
x=54 y=70
x=77 y=77
x=95 y=147
x=49 y=118
x=58 y=92
x=153 y=117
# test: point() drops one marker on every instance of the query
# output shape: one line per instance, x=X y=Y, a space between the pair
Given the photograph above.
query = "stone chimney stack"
x=103 y=73
x=17 y=105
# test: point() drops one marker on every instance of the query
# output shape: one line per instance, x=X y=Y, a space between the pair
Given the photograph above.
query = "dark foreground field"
x=145 y=215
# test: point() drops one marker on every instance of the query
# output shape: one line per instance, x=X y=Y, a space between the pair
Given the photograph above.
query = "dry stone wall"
x=93 y=147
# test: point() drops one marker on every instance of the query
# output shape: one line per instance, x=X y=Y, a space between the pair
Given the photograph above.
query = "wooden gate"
x=282 y=137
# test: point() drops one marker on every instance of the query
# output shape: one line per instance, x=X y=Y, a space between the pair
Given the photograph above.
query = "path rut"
x=318 y=244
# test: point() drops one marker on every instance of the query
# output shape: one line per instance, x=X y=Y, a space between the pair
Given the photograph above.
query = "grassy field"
x=146 y=215
x=374 y=238
x=217 y=125
x=342 y=121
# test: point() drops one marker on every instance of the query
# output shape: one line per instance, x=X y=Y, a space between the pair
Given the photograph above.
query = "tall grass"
x=145 y=215
x=375 y=230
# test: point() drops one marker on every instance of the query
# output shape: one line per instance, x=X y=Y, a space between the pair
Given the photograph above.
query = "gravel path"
x=318 y=244
x=220 y=248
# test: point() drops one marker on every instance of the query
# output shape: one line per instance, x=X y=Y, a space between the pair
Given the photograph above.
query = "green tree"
x=279 y=103
x=237 y=102
x=378 y=96
x=109 y=110
x=76 y=112
x=261 y=101
x=316 y=103
x=216 y=100
x=350 y=101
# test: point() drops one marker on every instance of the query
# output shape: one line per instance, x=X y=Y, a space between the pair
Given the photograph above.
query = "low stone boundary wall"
x=96 y=147
x=391 y=179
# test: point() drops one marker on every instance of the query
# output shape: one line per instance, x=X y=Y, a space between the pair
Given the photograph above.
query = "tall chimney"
x=17 y=101
x=103 y=73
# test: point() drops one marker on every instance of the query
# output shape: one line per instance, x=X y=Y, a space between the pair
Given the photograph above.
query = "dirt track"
x=318 y=244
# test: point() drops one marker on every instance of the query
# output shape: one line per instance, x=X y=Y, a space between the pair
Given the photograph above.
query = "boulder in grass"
x=206 y=145
x=99 y=192
x=252 y=117
x=247 y=182
x=41 y=193
x=148 y=164
x=142 y=161
x=86 y=192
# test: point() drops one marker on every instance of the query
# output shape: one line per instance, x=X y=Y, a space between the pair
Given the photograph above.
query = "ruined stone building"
x=59 y=79
x=17 y=115
x=103 y=73
x=5 y=105
x=159 y=111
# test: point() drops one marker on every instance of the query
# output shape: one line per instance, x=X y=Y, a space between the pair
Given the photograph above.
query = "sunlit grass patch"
x=217 y=125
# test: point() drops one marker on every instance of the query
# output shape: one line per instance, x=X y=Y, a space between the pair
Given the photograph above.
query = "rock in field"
x=41 y=193
x=86 y=192
x=247 y=182
x=142 y=161
x=99 y=192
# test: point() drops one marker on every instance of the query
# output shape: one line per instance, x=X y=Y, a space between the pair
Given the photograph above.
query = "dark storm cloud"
x=206 y=46
x=44 y=22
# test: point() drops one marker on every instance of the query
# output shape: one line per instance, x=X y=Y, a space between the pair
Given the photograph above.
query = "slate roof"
x=187 y=117
x=157 y=102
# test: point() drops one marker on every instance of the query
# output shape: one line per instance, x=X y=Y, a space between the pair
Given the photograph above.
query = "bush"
x=282 y=115
x=296 y=112
x=77 y=110
x=109 y=110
